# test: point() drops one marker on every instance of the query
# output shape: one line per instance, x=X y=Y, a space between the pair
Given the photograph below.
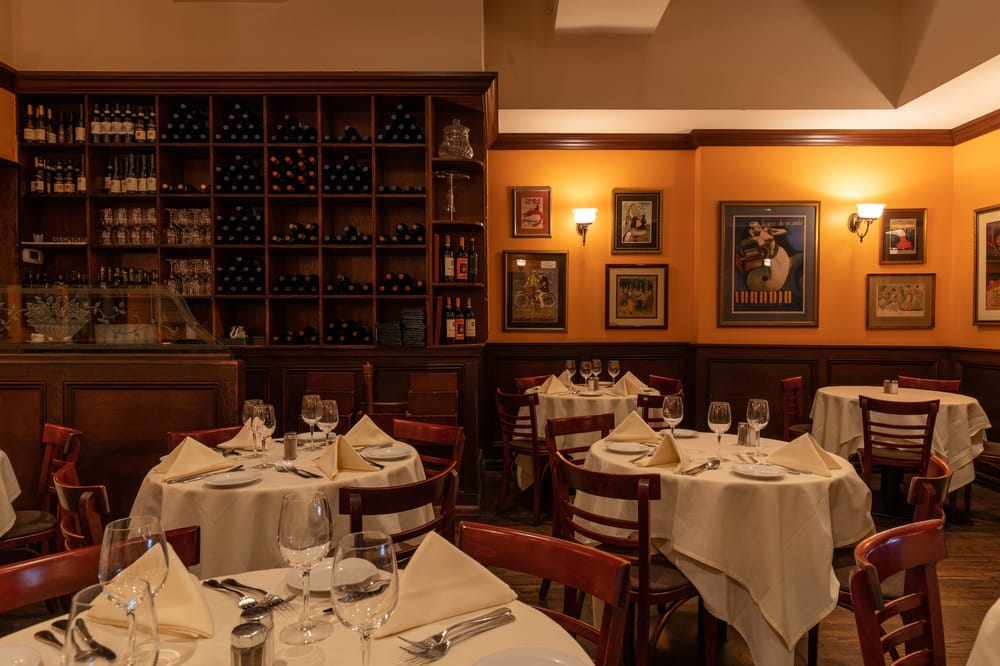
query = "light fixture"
x=584 y=217
x=867 y=213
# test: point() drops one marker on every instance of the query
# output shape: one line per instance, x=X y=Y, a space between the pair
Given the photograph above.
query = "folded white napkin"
x=805 y=454
x=341 y=456
x=366 y=433
x=242 y=440
x=629 y=384
x=634 y=429
x=566 y=378
x=190 y=458
x=181 y=609
x=441 y=582
x=553 y=386
x=667 y=453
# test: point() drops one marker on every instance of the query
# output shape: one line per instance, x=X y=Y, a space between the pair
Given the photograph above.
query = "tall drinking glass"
x=264 y=425
x=571 y=369
x=364 y=584
x=595 y=367
x=328 y=419
x=673 y=411
x=758 y=414
x=614 y=369
x=138 y=647
x=310 y=413
x=585 y=371
x=720 y=417
x=305 y=534
x=249 y=407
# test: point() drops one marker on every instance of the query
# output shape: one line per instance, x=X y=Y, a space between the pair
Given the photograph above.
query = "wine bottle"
x=81 y=179
x=447 y=262
x=29 y=125
x=151 y=131
x=470 y=322
x=79 y=129
x=96 y=126
x=50 y=128
x=106 y=136
x=461 y=262
x=459 y=322
x=449 y=323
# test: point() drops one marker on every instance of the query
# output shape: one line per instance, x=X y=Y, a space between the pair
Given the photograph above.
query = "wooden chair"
x=437 y=444
x=654 y=580
x=440 y=491
x=576 y=425
x=65 y=573
x=519 y=430
x=645 y=402
x=522 y=384
x=207 y=436
x=793 y=412
x=603 y=575
x=912 y=621
x=948 y=385
x=35 y=530
x=666 y=385
x=82 y=509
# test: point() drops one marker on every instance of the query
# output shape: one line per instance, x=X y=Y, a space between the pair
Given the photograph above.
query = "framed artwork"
x=637 y=226
x=769 y=267
x=636 y=296
x=987 y=287
x=534 y=291
x=900 y=300
x=532 y=212
x=903 y=238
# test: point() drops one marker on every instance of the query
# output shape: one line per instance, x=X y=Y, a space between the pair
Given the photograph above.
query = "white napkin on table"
x=441 y=582
x=667 y=453
x=634 y=429
x=190 y=458
x=629 y=384
x=341 y=456
x=566 y=378
x=805 y=454
x=366 y=433
x=553 y=386
x=242 y=440
x=181 y=609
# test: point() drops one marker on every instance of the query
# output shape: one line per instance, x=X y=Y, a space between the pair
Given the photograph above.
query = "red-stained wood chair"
x=793 y=412
x=948 y=385
x=519 y=430
x=522 y=384
x=645 y=403
x=602 y=575
x=567 y=426
x=666 y=385
x=437 y=444
x=82 y=509
x=207 y=436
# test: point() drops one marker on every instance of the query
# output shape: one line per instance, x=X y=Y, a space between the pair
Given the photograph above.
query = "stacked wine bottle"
x=242 y=275
x=400 y=284
x=350 y=236
x=292 y=173
x=404 y=235
x=401 y=127
x=245 y=225
x=347 y=175
x=345 y=286
x=291 y=129
x=347 y=332
x=240 y=124
x=187 y=124
x=296 y=233
x=239 y=174
x=296 y=284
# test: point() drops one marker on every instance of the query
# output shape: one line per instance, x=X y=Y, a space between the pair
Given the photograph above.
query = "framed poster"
x=769 y=267
x=987 y=286
x=903 y=300
x=534 y=291
x=637 y=226
x=636 y=296
x=532 y=212
x=903 y=237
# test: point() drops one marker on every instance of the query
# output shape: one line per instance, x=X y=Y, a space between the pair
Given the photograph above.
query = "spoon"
x=47 y=637
x=245 y=600
x=711 y=463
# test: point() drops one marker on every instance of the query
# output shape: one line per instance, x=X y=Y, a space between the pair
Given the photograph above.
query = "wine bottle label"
x=470 y=329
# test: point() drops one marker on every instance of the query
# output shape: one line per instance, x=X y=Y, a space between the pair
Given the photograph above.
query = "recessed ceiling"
x=601 y=16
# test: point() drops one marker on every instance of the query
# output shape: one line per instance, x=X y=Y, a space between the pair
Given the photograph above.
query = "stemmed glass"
x=571 y=369
x=595 y=368
x=614 y=369
x=329 y=416
x=673 y=411
x=310 y=414
x=133 y=564
x=249 y=407
x=364 y=584
x=585 y=372
x=264 y=424
x=720 y=417
x=305 y=534
x=757 y=417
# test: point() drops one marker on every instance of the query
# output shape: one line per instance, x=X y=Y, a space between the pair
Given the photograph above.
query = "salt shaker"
x=743 y=433
x=263 y=616
x=247 y=644
x=290 y=445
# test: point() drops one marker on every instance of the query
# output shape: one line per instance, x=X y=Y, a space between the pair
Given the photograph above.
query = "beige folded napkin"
x=566 y=378
x=341 y=456
x=242 y=440
x=366 y=433
x=805 y=454
x=667 y=453
x=181 y=609
x=190 y=458
x=441 y=582
x=553 y=386
x=629 y=384
x=634 y=429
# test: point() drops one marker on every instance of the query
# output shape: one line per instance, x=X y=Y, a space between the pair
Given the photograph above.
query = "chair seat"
x=889 y=453
x=30 y=522
x=663 y=576
x=991 y=448
x=892 y=587
x=800 y=428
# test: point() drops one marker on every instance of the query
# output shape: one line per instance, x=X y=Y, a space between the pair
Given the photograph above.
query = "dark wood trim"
x=511 y=141
x=821 y=137
x=8 y=78
x=976 y=128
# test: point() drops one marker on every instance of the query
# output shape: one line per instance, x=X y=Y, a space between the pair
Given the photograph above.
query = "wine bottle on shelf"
x=461 y=262
x=81 y=178
x=449 y=322
x=29 y=125
x=128 y=125
x=131 y=179
x=50 y=128
x=473 y=261
x=447 y=261
x=459 y=322
x=151 y=175
x=139 y=126
x=79 y=129
x=96 y=125
x=106 y=136
x=470 y=322
x=151 y=130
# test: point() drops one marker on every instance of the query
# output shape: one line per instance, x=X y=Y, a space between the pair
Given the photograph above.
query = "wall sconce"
x=867 y=213
x=584 y=217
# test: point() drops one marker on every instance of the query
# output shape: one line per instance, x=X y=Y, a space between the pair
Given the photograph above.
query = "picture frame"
x=987 y=274
x=903 y=237
x=769 y=263
x=532 y=212
x=637 y=224
x=534 y=290
x=900 y=300
x=635 y=296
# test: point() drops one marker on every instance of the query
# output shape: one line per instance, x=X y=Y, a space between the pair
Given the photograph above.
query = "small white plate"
x=319 y=577
x=627 y=447
x=393 y=452
x=232 y=479
x=19 y=655
x=681 y=432
x=530 y=656
x=759 y=470
x=590 y=394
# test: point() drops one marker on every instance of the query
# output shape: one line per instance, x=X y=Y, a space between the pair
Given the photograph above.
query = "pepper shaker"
x=247 y=644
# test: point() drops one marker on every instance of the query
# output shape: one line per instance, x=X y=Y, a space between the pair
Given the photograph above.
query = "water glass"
x=757 y=416
x=305 y=534
x=720 y=417
x=673 y=411
x=614 y=369
x=91 y=611
x=364 y=584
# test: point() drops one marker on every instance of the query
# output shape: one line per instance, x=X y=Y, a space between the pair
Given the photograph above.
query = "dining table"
x=756 y=540
x=959 y=431
x=238 y=514
x=986 y=648
x=10 y=489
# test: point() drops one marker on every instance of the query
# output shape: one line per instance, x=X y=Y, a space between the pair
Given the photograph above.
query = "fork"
x=267 y=599
x=435 y=652
x=437 y=638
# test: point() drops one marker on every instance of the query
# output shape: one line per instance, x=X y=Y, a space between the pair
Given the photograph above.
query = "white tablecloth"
x=958 y=432
x=239 y=525
x=759 y=551
x=986 y=649
x=10 y=489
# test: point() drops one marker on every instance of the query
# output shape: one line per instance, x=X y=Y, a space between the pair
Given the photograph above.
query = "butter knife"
x=186 y=479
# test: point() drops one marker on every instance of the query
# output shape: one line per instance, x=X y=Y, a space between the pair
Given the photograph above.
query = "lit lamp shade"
x=584 y=215
x=870 y=211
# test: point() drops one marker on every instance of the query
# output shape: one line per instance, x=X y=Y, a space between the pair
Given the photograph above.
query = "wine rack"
x=303 y=208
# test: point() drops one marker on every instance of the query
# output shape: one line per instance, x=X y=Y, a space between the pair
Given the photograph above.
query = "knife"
x=185 y=479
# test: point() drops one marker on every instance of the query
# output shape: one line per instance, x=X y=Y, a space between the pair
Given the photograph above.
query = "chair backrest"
x=914 y=549
x=576 y=425
x=792 y=403
x=522 y=384
x=437 y=444
x=82 y=509
x=666 y=385
x=645 y=402
x=881 y=426
x=440 y=491
x=207 y=436
x=60 y=445
x=928 y=493
x=519 y=422
x=603 y=575
x=949 y=385
x=67 y=572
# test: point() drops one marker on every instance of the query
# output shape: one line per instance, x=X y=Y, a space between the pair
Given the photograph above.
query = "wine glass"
x=132 y=567
x=585 y=371
x=249 y=406
x=364 y=584
x=673 y=411
x=305 y=534
x=757 y=416
x=720 y=417
x=571 y=369
x=139 y=649
x=328 y=418
x=310 y=413
x=595 y=368
x=614 y=369
x=264 y=424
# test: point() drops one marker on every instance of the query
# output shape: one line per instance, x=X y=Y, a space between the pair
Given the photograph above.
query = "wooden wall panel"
x=23 y=404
